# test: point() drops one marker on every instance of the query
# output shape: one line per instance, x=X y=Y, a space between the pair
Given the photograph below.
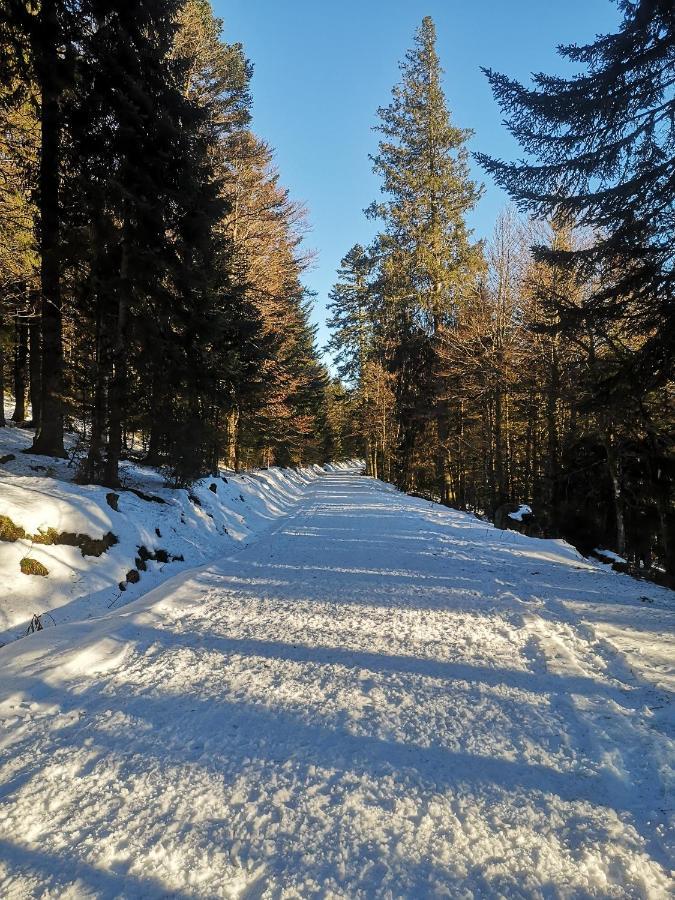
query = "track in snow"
x=378 y=698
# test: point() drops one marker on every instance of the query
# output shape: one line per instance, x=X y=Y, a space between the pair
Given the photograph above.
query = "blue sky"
x=323 y=68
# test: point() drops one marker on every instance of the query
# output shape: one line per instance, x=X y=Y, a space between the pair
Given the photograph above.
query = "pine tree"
x=141 y=158
x=353 y=320
x=350 y=318
x=19 y=262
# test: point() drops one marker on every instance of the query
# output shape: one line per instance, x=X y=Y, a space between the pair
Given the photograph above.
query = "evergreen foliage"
x=601 y=154
x=538 y=368
x=149 y=223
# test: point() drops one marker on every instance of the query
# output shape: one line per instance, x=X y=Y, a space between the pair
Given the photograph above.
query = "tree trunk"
x=613 y=465
x=552 y=395
x=49 y=437
x=215 y=449
x=667 y=530
x=118 y=382
x=93 y=469
x=443 y=476
x=2 y=384
x=369 y=456
x=231 y=449
x=500 y=486
x=20 y=367
x=34 y=369
x=460 y=486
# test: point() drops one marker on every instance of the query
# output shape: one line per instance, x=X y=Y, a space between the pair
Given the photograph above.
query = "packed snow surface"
x=377 y=697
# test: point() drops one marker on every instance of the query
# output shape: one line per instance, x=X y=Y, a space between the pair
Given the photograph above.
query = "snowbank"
x=181 y=528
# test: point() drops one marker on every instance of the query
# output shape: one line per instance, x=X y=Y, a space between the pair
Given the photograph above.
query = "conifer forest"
x=337 y=449
x=151 y=267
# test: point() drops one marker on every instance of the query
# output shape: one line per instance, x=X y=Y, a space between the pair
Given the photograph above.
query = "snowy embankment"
x=378 y=697
x=102 y=548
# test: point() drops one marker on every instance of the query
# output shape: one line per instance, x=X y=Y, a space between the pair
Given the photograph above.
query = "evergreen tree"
x=37 y=49
x=428 y=260
x=351 y=319
x=143 y=170
x=601 y=148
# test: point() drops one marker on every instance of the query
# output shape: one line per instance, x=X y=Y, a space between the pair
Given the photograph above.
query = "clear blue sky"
x=322 y=67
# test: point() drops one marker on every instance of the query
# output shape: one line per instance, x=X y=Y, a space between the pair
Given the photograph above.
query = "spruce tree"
x=601 y=153
x=141 y=155
x=37 y=42
x=351 y=319
x=428 y=260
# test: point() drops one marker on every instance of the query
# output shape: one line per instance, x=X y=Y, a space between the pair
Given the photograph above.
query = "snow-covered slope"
x=190 y=527
x=377 y=698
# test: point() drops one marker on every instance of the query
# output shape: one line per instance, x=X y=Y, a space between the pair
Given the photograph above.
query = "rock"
x=112 y=500
x=149 y=498
x=213 y=487
x=96 y=546
x=133 y=577
x=8 y=457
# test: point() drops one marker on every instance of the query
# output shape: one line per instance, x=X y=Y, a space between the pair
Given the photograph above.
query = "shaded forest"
x=150 y=258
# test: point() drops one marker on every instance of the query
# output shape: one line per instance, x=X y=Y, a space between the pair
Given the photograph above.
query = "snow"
x=523 y=510
x=37 y=493
x=609 y=555
x=374 y=697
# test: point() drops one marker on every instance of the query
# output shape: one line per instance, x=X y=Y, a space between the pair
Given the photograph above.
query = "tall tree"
x=601 y=148
x=37 y=48
x=428 y=260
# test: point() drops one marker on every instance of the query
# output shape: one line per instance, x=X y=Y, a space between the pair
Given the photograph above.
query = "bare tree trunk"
x=460 y=492
x=552 y=396
x=118 y=383
x=34 y=367
x=500 y=488
x=614 y=467
x=443 y=476
x=2 y=385
x=232 y=445
x=49 y=436
x=20 y=367
x=667 y=530
x=93 y=468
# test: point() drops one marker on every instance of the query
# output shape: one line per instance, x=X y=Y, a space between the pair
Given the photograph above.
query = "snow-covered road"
x=378 y=698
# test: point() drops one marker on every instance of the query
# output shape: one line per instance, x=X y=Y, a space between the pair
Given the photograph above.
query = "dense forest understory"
x=151 y=266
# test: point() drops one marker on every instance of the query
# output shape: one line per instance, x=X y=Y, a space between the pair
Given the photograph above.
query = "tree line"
x=151 y=299
x=536 y=367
